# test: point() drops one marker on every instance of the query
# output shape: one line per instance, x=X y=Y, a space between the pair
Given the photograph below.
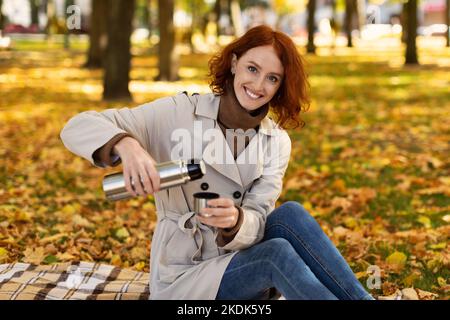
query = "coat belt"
x=195 y=231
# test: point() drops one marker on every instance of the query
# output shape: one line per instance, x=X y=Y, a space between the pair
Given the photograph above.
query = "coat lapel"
x=217 y=153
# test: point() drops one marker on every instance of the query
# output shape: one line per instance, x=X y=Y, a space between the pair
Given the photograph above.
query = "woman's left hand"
x=223 y=215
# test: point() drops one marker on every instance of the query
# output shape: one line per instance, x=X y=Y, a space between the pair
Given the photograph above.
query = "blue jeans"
x=296 y=258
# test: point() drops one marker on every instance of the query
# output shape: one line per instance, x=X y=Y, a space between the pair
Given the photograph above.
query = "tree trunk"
x=2 y=18
x=360 y=13
x=34 y=12
x=168 y=59
x=67 y=3
x=217 y=10
x=148 y=17
x=194 y=24
x=118 y=56
x=447 y=19
x=348 y=21
x=98 y=34
x=404 y=21
x=311 y=48
x=235 y=14
x=411 y=49
x=51 y=18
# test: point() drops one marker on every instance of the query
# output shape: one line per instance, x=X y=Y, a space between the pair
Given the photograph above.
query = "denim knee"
x=289 y=211
x=276 y=250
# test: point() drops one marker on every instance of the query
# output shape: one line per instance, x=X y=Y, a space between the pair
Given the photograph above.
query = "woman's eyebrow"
x=253 y=62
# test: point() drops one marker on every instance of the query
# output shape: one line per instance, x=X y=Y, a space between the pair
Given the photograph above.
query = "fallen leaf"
x=3 y=254
x=425 y=295
x=34 y=255
x=122 y=233
x=438 y=246
x=397 y=295
x=65 y=256
x=442 y=282
x=425 y=221
x=409 y=294
x=80 y=221
x=397 y=260
x=139 y=266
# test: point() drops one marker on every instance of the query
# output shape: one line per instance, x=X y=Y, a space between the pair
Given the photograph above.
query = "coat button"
x=204 y=186
x=237 y=194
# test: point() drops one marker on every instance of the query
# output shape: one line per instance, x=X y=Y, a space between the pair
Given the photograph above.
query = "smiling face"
x=258 y=75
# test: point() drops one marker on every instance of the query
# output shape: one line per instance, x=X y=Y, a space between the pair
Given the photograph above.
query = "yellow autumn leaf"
x=441 y=281
x=34 y=255
x=81 y=221
x=138 y=253
x=409 y=280
x=122 y=233
x=23 y=216
x=434 y=264
x=3 y=254
x=437 y=246
x=307 y=205
x=65 y=256
x=139 y=266
x=116 y=260
x=350 y=222
x=71 y=209
x=397 y=260
x=425 y=221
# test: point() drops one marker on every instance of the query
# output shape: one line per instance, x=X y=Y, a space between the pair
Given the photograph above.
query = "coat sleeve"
x=260 y=200
x=88 y=131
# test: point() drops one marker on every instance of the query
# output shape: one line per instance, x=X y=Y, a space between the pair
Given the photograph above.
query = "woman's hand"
x=224 y=215
x=138 y=166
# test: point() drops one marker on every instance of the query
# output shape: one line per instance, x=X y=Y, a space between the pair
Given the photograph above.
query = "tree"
x=311 y=48
x=168 y=59
x=350 y=10
x=235 y=12
x=218 y=9
x=447 y=19
x=2 y=18
x=411 y=32
x=34 y=11
x=404 y=21
x=67 y=3
x=98 y=34
x=147 y=16
x=52 y=20
x=118 y=56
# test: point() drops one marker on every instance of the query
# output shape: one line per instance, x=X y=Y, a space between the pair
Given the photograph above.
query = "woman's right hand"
x=138 y=166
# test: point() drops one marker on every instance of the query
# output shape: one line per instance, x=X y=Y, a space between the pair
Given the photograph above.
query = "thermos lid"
x=196 y=170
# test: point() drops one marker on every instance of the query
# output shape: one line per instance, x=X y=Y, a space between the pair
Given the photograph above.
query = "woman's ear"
x=233 y=63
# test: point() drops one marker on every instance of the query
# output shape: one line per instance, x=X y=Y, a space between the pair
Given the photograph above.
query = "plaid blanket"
x=71 y=281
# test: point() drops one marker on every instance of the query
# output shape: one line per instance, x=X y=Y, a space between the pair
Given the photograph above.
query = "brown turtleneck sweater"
x=231 y=116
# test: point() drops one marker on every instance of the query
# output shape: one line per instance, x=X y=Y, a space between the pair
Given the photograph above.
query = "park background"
x=371 y=164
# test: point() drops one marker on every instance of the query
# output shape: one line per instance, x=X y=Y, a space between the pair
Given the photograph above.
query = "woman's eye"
x=273 y=79
x=251 y=69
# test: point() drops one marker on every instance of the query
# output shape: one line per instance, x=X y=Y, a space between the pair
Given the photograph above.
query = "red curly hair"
x=292 y=96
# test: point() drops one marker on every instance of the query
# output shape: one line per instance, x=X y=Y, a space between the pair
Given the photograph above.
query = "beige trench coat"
x=186 y=262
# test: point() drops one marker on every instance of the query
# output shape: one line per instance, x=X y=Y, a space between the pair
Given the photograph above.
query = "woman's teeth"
x=251 y=94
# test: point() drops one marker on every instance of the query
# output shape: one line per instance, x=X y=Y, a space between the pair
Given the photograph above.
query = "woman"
x=241 y=248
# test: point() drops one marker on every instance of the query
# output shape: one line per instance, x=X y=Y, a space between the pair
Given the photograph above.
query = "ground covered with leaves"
x=371 y=165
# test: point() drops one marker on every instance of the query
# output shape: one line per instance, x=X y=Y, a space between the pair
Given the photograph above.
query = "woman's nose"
x=259 y=85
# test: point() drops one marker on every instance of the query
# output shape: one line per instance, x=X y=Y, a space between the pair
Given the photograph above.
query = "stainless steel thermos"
x=171 y=173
